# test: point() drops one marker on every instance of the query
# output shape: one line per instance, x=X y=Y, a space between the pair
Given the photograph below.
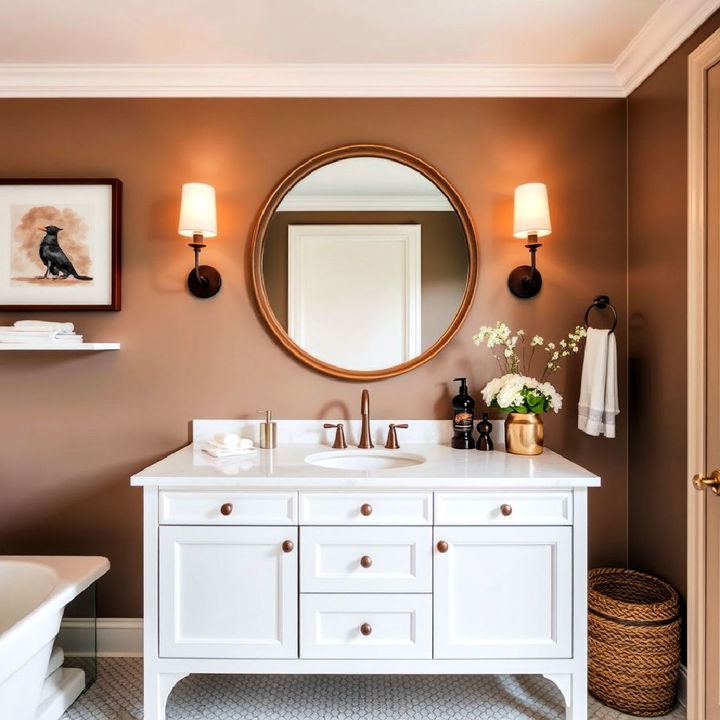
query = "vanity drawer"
x=504 y=508
x=366 y=626
x=370 y=560
x=227 y=507
x=366 y=508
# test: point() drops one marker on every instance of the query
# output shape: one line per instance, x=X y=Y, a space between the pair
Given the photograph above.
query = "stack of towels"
x=228 y=445
x=39 y=332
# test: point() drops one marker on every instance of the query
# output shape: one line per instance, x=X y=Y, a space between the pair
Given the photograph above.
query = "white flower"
x=508 y=353
x=537 y=340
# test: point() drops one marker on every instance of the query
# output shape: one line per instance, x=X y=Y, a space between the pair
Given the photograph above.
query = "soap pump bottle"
x=268 y=434
x=463 y=406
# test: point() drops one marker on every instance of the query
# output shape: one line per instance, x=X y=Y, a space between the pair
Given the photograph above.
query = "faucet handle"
x=392 y=442
x=339 y=443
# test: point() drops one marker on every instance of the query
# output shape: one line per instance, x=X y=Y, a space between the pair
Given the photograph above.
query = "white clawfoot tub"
x=34 y=591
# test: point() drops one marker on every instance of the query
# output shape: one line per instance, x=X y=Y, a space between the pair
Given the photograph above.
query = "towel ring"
x=601 y=302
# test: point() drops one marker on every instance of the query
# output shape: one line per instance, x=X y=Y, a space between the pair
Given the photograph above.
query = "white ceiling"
x=320 y=31
x=338 y=47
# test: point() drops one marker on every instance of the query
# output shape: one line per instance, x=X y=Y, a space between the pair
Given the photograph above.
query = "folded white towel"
x=28 y=338
x=218 y=452
x=598 y=405
x=30 y=325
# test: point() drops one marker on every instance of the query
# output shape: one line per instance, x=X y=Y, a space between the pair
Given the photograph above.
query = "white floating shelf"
x=89 y=347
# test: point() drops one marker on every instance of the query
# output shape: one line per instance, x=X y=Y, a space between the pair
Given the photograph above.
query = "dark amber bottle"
x=463 y=407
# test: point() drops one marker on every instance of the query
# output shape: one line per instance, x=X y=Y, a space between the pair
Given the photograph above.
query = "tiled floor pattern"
x=117 y=695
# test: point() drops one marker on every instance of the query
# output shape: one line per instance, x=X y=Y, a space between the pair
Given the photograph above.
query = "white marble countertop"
x=444 y=468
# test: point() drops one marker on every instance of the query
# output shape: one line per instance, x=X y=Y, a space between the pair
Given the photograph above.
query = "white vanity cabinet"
x=503 y=592
x=285 y=569
x=227 y=592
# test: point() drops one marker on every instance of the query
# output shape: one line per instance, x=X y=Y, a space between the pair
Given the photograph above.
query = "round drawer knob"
x=366 y=509
x=366 y=629
x=226 y=508
x=366 y=561
x=288 y=546
x=442 y=546
x=506 y=510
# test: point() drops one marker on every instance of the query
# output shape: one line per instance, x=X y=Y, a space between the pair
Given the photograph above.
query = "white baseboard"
x=682 y=686
x=116 y=637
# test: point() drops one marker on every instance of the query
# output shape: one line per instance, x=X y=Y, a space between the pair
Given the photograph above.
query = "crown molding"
x=672 y=23
x=668 y=27
x=55 y=81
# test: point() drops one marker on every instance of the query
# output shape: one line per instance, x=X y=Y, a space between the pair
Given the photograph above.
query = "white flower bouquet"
x=516 y=391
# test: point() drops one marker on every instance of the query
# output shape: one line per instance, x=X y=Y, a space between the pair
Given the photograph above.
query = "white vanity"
x=465 y=562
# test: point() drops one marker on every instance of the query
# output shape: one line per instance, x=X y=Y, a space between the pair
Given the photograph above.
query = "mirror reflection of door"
x=365 y=263
x=360 y=283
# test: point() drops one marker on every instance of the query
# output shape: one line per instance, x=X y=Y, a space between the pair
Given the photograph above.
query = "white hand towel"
x=30 y=325
x=598 y=404
x=40 y=338
x=218 y=452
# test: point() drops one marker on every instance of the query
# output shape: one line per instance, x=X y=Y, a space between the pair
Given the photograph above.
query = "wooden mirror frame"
x=258 y=246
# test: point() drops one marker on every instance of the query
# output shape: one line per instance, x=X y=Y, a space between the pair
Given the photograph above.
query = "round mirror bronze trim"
x=258 y=244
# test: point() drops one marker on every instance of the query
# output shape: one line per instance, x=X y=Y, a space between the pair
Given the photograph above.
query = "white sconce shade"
x=197 y=210
x=532 y=212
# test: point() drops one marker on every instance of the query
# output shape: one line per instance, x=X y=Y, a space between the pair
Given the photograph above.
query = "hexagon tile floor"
x=117 y=695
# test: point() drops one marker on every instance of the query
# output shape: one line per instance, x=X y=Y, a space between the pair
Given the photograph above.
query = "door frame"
x=699 y=62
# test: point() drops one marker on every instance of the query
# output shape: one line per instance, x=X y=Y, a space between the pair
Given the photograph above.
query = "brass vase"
x=524 y=433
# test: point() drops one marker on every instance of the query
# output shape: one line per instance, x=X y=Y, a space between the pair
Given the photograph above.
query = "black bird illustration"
x=56 y=262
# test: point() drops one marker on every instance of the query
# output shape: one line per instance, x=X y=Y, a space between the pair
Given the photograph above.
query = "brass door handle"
x=288 y=546
x=366 y=509
x=366 y=561
x=701 y=482
x=226 y=508
x=366 y=629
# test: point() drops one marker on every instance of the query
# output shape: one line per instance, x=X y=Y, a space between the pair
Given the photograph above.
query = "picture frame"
x=60 y=244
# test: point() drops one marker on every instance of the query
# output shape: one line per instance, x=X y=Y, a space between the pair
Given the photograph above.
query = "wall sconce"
x=198 y=221
x=532 y=221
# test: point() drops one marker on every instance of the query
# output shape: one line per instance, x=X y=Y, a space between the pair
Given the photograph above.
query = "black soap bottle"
x=463 y=406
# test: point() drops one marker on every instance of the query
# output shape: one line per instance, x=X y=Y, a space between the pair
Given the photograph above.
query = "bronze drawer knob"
x=366 y=629
x=366 y=561
x=288 y=546
x=506 y=510
x=226 y=508
x=442 y=546
x=366 y=509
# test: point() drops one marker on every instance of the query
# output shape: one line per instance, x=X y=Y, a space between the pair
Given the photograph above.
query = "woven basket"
x=633 y=641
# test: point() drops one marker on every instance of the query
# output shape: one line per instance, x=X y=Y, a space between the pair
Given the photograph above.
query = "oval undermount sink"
x=364 y=459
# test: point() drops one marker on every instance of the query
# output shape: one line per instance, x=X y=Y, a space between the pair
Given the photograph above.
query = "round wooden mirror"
x=364 y=262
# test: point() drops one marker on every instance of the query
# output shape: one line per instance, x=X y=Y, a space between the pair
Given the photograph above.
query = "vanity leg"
x=573 y=687
x=157 y=689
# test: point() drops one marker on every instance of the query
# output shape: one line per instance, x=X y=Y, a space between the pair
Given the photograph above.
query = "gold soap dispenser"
x=268 y=434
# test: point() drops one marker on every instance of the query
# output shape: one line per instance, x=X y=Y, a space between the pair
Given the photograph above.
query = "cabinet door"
x=503 y=592
x=228 y=592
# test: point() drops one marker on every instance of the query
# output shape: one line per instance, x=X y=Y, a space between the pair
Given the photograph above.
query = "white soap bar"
x=230 y=440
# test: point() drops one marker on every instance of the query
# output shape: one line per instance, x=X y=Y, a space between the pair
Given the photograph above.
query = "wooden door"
x=503 y=592
x=712 y=423
x=228 y=592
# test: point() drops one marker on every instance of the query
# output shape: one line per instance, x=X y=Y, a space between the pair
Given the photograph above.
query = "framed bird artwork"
x=60 y=244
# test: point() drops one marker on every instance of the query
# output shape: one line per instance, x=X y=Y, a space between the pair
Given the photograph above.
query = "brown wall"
x=73 y=427
x=444 y=261
x=657 y=210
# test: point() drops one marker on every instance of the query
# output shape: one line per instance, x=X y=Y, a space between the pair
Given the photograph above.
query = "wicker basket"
x=633 y=641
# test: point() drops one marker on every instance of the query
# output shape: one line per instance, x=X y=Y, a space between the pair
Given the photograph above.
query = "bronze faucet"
x=365 y=439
